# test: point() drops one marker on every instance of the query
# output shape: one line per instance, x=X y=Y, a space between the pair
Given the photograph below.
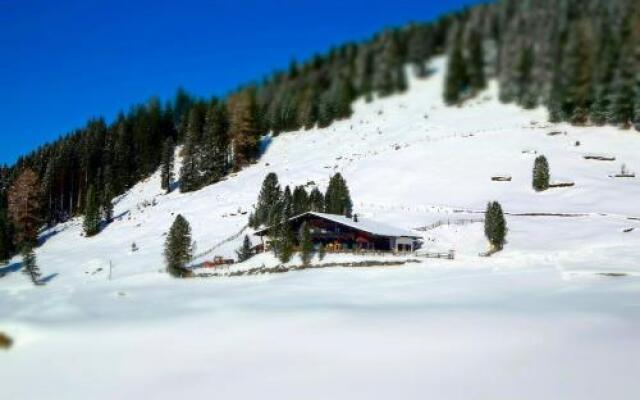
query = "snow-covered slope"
x=537 y=315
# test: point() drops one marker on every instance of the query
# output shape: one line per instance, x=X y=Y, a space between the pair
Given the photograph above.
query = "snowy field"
x=554 y=316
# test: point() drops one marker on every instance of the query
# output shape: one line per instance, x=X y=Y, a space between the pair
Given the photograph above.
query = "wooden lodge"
x=339 y=233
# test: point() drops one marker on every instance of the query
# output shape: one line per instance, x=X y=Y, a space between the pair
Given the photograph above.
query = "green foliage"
x=337 y=199
x=92 y=219
x=495 y=226
x=268 y=201
x=457 y=78
x=306 y=244
x=477 y=78
x=245 y=252
x=541 y=174
x=166 y=173
x=178 y=247
x=107 y=204
x=300 y=200
x=6 y=245
x=316 y=200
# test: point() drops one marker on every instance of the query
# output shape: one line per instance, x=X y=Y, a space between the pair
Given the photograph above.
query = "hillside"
x=450 y=329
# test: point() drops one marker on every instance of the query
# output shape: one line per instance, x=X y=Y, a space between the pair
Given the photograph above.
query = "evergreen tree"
x=337 y=199
x=24 y=202
x=300 y=200
x=107 y=204
x=527 y=98
x=495 y=226
x=541 y=174
x=168 y=150
x=316 y=200
x=91 y=213
x=245 y=252
x=215 y=149
x=190 y=178
x=269 y=195
x=306 y=245
x=477 y=78
x=30 y=264
x=621 y=110
x=6 y=248
x=456 y=79
x=419 y=49
x=178 y=247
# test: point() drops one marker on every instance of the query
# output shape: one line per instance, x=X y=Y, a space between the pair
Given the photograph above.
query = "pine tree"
x=526 y=95
x=30 y=264
x=24 y=201
x=6 y=248
x=541 y=174
x=495 y=226
x=190 y=178
x=300 y=200
x=306 y=245
x=477 y=78
x=456 y=79
x=337 y=199
x=215 y=148
x=245 y=252
x=91 y=213
x=107 y=204
x=178 y=247
x=316 y=200
x=168 y=150
x=269 y=195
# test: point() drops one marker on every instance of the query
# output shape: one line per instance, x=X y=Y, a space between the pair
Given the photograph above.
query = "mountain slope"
x=537 y=314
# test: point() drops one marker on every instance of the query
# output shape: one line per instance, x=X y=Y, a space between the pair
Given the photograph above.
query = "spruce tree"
x=306 y=244
x=269 y=195
x=168 y=149
x=456 y=79
x=178 y=247
x=107 y=204
x=30 y=264
x=477 y=78
x=337 y=199
x=541 y=174
x=300 y=200
x=245 y=252
x=91 y=213
x=495 y=226
x=316 y=200
x=6 y=247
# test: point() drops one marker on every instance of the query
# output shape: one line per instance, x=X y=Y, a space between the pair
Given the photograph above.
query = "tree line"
x=86 y=169
x=578 y=58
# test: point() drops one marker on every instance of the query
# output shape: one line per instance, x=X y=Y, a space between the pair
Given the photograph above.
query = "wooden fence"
x=448 y=222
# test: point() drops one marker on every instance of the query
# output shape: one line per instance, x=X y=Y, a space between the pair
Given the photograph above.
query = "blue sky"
x=62 y=62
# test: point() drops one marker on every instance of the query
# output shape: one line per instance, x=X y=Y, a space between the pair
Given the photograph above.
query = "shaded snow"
x=538 y=320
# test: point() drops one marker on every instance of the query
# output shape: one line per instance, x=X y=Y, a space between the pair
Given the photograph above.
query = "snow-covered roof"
x=364 y=225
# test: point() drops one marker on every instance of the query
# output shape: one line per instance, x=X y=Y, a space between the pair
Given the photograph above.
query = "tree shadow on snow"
x=47 y=278
x=265 y=142
x=15 y=267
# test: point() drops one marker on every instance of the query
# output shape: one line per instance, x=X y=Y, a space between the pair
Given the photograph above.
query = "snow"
x=364 y=225
x=555 y=315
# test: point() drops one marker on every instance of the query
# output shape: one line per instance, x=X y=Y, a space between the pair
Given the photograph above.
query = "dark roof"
x=364 y=225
